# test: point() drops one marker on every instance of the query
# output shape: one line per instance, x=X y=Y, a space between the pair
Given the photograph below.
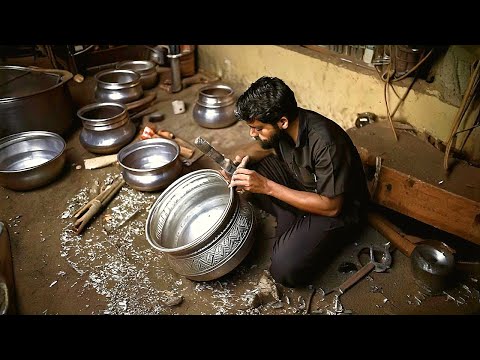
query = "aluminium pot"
x=144 y=68
x=34 y=99
x=214 y=107
x=204 y=227
x=106 y=127
x=122 y=86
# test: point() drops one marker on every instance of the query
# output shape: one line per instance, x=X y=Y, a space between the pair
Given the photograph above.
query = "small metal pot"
x=106 y=127
x=122 y=86
x=31 y=159
x=146 y=70
x=150 y=165
x=214 y=107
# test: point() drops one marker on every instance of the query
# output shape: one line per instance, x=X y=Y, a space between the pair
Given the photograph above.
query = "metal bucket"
x=203 y=226
x=34 y=99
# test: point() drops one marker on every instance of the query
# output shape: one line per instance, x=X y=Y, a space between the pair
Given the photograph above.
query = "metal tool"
x=380 y=266
x=225 y=163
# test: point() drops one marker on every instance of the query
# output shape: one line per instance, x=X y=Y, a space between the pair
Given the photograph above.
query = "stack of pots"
x=106 y=127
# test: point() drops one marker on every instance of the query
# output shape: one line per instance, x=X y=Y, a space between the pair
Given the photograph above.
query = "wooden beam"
x=426 y=202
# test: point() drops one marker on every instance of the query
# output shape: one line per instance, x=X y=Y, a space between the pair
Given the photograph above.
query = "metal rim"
x=170 y=190
x=134 y=81
x=131 y=148
x=10 y=99
x=148 y=66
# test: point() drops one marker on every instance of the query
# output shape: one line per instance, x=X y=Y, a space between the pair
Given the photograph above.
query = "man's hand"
x=235 y=162
x=250 y=180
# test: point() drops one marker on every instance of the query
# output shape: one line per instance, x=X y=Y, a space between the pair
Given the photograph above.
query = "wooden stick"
x=100 y=161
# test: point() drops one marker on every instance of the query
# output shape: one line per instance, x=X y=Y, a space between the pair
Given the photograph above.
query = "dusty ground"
x=105 y=271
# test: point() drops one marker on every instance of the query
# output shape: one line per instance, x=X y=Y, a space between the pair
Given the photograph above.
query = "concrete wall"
x=334 y=91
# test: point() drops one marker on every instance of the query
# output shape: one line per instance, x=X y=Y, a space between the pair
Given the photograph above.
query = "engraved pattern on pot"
x=224 y=246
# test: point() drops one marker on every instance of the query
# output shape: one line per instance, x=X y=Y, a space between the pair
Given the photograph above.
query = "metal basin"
x=202 y=225
x=150 y=165
x=31 y=159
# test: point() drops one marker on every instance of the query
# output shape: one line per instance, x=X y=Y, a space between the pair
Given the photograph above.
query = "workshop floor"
x=116 y=271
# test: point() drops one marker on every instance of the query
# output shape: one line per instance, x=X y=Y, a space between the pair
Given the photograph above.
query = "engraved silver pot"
x=214 y=107
x=204 y=227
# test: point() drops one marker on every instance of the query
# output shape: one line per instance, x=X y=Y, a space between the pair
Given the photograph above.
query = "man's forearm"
x=306 y=201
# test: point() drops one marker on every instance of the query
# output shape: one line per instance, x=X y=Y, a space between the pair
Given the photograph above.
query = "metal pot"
x=146 y=70
x=214 y=107
x=122 y=86
x=150 y=165
x=203 y=226
x=34 y=99
x=31 y=159
x=106 y=127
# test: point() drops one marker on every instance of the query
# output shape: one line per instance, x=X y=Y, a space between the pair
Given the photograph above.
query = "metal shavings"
x=376 y=289
x=61 y=273
x=474 y=279
x=111 y=261
x=369 y=278
x=53 y=283
x=385 y=300
x=440 y=182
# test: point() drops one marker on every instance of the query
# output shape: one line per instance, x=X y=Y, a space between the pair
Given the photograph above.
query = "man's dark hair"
x=267 y=100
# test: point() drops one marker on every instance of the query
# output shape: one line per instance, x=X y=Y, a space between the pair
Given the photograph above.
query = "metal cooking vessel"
x=146 y=70
x=214 y=107
x=122 y=86
x=204 y=227
x=34 y=99
x=106 y=127
x=150 y=165
x=31 y=159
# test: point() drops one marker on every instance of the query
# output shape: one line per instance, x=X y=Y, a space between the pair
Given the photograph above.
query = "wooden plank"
x=425 y=202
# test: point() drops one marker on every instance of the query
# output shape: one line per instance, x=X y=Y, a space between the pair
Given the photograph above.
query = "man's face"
x=267 y=134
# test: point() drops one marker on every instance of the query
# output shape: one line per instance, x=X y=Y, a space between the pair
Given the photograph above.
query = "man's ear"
x=283 y=123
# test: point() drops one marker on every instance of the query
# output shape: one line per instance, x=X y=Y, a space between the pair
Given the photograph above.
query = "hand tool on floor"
x=100 y=161
x=225 y=163
x=93 y=206
x=377 y=266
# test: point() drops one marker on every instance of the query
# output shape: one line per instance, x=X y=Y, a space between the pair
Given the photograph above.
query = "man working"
x=314 y=183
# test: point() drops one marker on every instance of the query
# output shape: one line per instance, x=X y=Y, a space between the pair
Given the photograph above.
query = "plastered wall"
x=336 y=92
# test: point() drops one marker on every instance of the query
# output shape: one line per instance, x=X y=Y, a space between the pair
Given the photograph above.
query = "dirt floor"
x=111 y=268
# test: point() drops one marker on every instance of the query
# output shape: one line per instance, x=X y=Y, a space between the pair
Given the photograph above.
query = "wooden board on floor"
x=402 y=187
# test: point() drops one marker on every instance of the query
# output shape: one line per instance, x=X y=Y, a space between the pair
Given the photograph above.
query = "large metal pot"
x=34 y=99
x=214 y=107
x=203 y=226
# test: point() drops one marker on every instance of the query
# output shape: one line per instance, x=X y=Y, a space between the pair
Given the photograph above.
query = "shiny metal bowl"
x=202 y=225
x=150 y=165
x=31 y=159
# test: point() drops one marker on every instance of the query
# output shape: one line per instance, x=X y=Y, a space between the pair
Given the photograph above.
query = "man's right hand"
x=236 y=162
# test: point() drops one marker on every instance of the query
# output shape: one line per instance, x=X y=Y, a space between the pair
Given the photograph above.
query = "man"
x=313 y=184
